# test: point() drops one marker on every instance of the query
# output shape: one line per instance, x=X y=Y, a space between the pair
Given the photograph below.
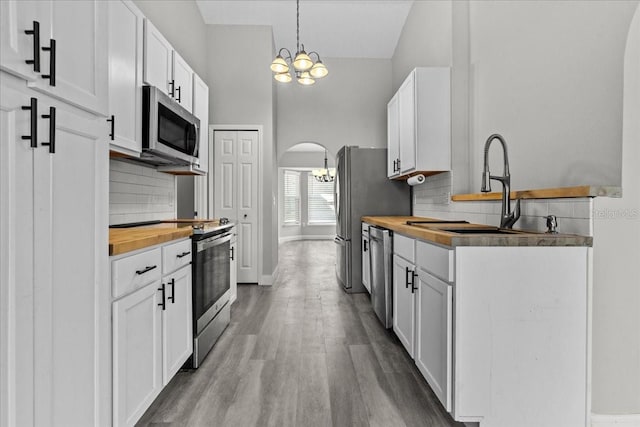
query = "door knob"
x=245 y=215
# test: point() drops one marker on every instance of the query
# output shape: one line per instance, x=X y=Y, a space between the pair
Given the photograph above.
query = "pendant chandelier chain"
x=297 y=26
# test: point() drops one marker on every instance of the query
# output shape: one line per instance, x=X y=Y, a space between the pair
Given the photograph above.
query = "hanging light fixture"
x=305 y=69
x=325 y=174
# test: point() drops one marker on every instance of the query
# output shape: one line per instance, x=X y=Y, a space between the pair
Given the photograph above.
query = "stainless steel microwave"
x=169 y=131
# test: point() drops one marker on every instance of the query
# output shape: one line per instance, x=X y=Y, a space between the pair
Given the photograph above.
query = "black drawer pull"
x=183 y=254
x=33 y=106
x=36 y=46
x=232 y=253
x=146 y=269
x=52 y=129
x=173 y=291
x=179 y=90
x=112 y=134
x=172 y=83
x=163 y=303
x=52 y=63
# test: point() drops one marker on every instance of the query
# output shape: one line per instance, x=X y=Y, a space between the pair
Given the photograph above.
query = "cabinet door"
x=403 y=303
x=407 y=124
x=16 y=256
x=17 y=47
x=81 y=53
x=393 y=137
x=137 y=353
x=366 y=262
x=125 y=77
x=433 y=335
x=177 y=322
x=201 y=111
x=157 y=59
x=71 y=292
x=183 y=82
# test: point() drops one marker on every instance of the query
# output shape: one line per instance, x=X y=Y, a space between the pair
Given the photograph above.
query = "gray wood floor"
x=301 y=353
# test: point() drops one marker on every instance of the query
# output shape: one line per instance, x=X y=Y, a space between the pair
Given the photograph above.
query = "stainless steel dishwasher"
x=381 y=252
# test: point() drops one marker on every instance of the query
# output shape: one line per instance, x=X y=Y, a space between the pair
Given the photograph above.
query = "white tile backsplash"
x=140 y=193
x=432 y=199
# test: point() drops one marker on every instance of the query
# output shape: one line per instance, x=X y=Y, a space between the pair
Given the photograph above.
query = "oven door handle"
x=213 y=241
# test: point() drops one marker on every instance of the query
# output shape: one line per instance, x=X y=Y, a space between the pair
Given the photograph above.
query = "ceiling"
x=333 y=28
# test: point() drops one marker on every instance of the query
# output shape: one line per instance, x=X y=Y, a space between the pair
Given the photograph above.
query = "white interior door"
x=236 y=194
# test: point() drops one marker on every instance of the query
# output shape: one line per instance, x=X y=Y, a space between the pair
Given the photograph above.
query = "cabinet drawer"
x=435 y=259
x=135 y=271
x=405 y=247
x=176 y=255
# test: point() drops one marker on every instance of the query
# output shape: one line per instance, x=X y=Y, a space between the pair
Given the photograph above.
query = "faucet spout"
x=508 y=218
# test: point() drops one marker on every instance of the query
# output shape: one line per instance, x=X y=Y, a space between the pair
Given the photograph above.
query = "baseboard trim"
x=305 y=237
x=268 y=279
x=626 y=420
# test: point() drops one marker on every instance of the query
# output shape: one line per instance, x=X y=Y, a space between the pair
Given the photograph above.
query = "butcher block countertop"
x=434 y=232
x=123 y=240
x=545 y=193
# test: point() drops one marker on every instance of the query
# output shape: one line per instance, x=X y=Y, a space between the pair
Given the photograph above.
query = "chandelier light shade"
x=324 y=174
x=304 y=67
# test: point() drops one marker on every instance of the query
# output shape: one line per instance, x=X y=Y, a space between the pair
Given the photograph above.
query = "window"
x=320 y=202
x=291 y=207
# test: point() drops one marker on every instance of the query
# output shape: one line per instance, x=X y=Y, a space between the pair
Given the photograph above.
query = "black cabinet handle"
x=179 y=90
x=364 y=243
x=413 y=281
x=406 y=277
x=33 y=106
x=52 y=63
x=162 y=304
x=398 y=163
x=36 y=46
x=172 y=83
x=52 y=129
x=113 y=127
x=183 y=254
x=173 y=291
x=232 y=253
x=394 y=165
x=146 y=269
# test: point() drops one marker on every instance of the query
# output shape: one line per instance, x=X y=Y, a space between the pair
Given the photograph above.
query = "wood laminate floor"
x=301 y=353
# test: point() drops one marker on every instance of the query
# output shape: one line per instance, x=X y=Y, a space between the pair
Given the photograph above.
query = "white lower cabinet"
x=404 y=307
x=233 y=267
x=177 y=323
x=137 y=351
x=152 y=325
x=366 y=260
x=434 y=334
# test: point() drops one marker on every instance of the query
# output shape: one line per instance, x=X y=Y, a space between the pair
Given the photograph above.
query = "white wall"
x=616 y=250
x=348 y=107
x=240 y=93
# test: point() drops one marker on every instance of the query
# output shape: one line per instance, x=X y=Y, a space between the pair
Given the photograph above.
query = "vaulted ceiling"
x=333 y=28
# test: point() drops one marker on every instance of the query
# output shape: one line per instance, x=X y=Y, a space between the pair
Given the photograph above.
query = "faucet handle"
x=552 y=224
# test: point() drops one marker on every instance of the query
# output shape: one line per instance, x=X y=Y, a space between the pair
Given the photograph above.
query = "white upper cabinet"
x=201 y=111
x=158 y=59
x=419 y=124
x=182 y=82
x=125 y=77
x=68 y=39
x=165 y=69
x=393 y=137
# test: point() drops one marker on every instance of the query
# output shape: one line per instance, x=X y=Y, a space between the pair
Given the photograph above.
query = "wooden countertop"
x=434 y=233
x=545 y=193
x=122 y=240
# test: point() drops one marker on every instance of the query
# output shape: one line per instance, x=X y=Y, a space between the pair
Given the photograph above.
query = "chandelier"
x=325 y=174
x=305 y=69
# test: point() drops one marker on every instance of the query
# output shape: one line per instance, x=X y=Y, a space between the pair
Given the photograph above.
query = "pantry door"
x=236 y=193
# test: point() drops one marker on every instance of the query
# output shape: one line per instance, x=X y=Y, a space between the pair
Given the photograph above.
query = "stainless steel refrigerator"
x=362 y=188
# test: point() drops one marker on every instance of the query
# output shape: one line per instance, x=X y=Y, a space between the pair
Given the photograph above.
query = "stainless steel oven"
x=211 y=289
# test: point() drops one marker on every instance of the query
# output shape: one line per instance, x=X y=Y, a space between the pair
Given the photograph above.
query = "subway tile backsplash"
x=433 y=199
x=140 y=193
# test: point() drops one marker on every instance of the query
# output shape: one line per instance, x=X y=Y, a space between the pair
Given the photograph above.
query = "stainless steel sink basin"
x=480 y=231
